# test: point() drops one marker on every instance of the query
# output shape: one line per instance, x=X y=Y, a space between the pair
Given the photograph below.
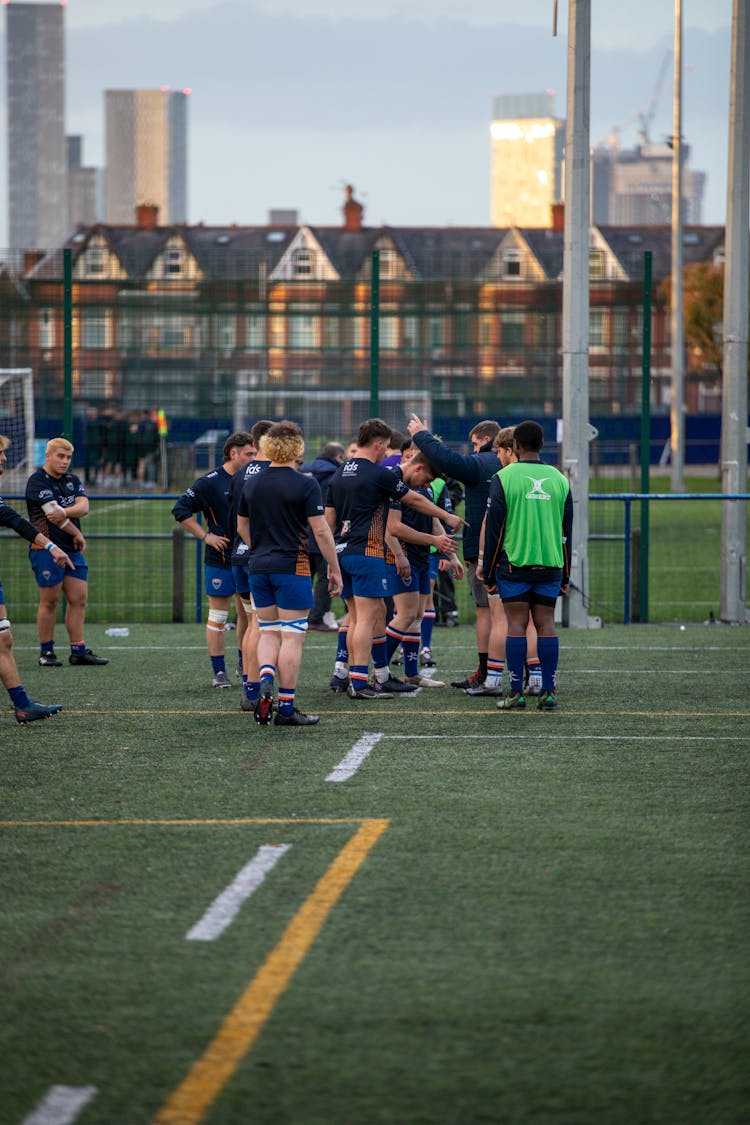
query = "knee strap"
x=298 y=626
x=217 y=619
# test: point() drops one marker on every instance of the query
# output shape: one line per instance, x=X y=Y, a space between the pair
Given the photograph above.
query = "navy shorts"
x=363 y=577
x=241 y=577
x=48 y=573
x=535 y=593
x=287 y=591
x=418 y=583
x=219 y=582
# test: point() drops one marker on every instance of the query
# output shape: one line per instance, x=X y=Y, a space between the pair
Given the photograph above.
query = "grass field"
x=488 y=917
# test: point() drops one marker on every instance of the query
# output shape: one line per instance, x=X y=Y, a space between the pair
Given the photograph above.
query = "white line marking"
x=571 y=738
x=349 y=765
x=61 y=1105
x=223 y=909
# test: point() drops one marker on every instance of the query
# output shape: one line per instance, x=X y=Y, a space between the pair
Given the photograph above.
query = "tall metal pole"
x=734 y=434
x=375 y=334
x=645 y=433
x=68 y=344
x=575 y=310
x=677 y=405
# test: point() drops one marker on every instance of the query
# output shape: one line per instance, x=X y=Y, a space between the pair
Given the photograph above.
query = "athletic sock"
x=549 y=654
x=358 y=676
x=393 y=638
x=515 y=659
x=47 y=647
x=285 y=701
x=482 y=665
x=78 y=648
x=342 y=649
x=18 y=696
x=534 y=670
x=495 y=669
x=428 y=624
x=218 y=664
x=411 y=654
x=267 y=673
x=380 y=658
x=251 y=689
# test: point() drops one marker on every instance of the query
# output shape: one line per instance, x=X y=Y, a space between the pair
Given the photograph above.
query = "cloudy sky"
x=294 y=98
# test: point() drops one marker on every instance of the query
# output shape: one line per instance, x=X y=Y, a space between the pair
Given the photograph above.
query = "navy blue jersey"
x=418 y=554
x=361 y=492
x=209 y=495
x=278 y=503
x=251 y=469
x=475 y=470
x=9 y=517
x=41 y=488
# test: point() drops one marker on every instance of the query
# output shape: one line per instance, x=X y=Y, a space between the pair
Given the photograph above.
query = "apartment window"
x=302 y=263
x=46 y=329
x=388 y=333
x=330 y=332
x=436 y=332
x=512 y=324
x=620 y=329
x=255 y=332
x=174 y=332
x=95 y=329
x=96 y=260
x=597 y=328
x=304 y=332
x=173 y=261
x=410 y=332
x=388 y=264
x=226 y=333
x=95 y=384
x=512 y=263
x=596 y=265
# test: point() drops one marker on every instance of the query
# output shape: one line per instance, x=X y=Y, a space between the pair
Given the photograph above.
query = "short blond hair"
x=59 y=443
x=504 y=439
x=4 y=442
x=283 y=443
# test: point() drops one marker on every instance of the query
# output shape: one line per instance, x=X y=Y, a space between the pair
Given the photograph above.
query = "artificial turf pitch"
x=547 y=923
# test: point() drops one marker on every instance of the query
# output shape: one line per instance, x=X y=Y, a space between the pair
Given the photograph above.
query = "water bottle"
x=117 y=632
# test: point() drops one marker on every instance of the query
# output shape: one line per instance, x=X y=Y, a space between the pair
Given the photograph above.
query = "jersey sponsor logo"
x=46 y=494
x=537 y=490
x=70 y=486
x=253 y=469
x=349 y=468
x=189 y=492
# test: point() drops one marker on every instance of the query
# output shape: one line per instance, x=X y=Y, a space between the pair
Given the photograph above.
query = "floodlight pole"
x=734 y=398
x=677 y=402
x=575 y=308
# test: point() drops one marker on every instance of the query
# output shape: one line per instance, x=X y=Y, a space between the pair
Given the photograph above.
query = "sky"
x=292 y=99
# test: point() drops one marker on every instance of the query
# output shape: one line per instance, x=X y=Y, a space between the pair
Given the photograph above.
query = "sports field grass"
x=494 y=918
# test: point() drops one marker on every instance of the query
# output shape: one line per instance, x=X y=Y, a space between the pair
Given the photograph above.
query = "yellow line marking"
x=399 y=714
x=207 y=1077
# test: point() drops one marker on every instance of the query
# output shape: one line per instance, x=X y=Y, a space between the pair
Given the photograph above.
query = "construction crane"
x=644 y=115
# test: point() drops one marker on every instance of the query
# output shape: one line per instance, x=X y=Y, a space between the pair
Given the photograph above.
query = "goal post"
x=17 y=419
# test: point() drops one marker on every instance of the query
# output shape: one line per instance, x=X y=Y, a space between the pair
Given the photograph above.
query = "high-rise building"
x=83 y=186
x=146 y=153
x=37 y=180
x=633 y=187
x=527 y=142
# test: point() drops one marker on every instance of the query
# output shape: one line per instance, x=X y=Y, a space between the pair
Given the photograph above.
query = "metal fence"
x=144 y=568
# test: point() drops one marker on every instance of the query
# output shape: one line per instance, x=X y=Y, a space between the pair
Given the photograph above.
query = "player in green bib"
x=528 y=526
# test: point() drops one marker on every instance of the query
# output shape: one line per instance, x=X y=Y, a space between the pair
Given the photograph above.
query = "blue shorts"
x=287 y=591
x=241 y=578
x=539 y=593
x=419 y=582
x=219 y=582
x=2 y=595
x=48 y=573
x=434 y=564
x=364 y=577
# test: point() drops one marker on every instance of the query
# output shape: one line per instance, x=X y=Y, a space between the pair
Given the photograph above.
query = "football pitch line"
x=192 y=1098
x=381 y=709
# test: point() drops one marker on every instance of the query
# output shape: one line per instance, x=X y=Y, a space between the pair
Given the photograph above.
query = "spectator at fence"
x=274 y=512
x=210 y=496
x=26 y=710
x=528 y=526
x=147 y=447
x=56 y=501
x=475 y=470
x=321 y=619
x=93 y=433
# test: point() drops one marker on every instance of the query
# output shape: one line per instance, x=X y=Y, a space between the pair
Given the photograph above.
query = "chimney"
x=558 y=217
x=146 y=216
x=352 y=210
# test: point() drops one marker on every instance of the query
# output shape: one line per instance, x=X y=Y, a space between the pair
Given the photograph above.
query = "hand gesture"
x=61 y=558
x=415 y=424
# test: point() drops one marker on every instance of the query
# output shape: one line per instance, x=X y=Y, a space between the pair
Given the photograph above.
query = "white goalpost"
x=17 y=420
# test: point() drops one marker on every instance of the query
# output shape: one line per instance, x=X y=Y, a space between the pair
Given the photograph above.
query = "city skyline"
x=287 y=106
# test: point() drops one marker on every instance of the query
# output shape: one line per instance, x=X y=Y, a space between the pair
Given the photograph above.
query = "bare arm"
x=199 y=531
x=243 y=529
x=426 y=507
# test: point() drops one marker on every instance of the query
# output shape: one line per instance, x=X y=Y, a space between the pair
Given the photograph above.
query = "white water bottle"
x=116 y=631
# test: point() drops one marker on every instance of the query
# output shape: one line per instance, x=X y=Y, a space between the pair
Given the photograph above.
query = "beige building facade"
x=526 y=144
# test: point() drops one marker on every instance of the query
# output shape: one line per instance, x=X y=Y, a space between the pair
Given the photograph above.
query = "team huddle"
x=371 y=528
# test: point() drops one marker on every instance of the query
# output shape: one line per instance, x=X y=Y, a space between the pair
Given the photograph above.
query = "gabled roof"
x=547 y=246
x=628 y=244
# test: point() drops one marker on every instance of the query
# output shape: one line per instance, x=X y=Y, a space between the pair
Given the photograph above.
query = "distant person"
x=56 y=502
x=475 y=470
x=527 y=533
x=276 y=510
x=210 y=496
x=26 y=710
